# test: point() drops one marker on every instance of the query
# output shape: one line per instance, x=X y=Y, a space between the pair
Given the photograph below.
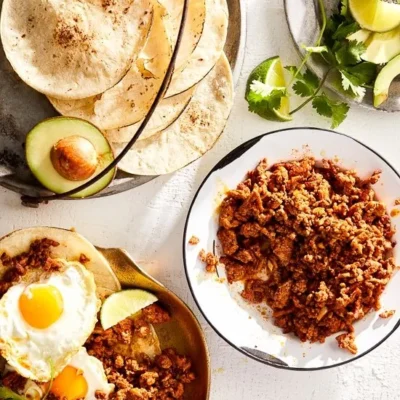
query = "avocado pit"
x=74 y=158
x=64 y=152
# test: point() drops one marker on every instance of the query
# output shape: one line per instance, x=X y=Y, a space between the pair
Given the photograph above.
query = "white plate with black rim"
x=241 y=324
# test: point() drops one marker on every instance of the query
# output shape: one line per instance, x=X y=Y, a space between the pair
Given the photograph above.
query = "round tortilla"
x=192 y=135
x=72 y=49
x=193 y=28
x=72 y=246
x=128 y=102
x=208 y=50
x=166 y=113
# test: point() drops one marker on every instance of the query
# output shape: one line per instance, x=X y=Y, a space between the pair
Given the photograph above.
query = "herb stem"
x=314 y=94
x=317 y=44
x=323 y=17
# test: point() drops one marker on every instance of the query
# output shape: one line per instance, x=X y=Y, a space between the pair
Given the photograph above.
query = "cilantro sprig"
x=345 y=67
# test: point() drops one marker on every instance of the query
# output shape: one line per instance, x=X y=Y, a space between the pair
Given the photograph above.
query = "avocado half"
x=64 y=153
x=385 y=79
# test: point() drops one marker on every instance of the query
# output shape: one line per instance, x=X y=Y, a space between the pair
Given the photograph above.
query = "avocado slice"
x=63 y=153
x=384 y=80
x=382 y=47
x=375 y=15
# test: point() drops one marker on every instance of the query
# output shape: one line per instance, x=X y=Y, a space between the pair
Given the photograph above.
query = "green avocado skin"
x=384 y=80
x=40 y=141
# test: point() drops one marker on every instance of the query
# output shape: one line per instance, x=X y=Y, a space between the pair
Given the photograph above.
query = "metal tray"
x=303 y=18
x=183 y=332
x=21 y=108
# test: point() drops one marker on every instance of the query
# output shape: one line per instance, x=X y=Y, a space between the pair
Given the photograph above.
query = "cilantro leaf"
x=311 y=79
x=345 y=29
x=329 y=57
x=350 y=53
x=302 y=89
x=262 y=103
x=329 y=108
x=292 y=69
x=354 y=78
x=306 y=83
x=350 y=84
x=364 y=72
x=344 y=8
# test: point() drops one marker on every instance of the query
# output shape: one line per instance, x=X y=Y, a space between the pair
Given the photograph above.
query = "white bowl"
x=239 y=323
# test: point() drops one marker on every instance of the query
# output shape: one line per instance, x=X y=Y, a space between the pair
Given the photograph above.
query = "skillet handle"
x=128 y=272
x=265 y=358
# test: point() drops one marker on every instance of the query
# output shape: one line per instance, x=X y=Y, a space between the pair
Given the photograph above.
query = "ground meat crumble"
x=312 y=242
x=38 y=256
x=194 y=240
x=13 y=381
x=209 y=259
x=163 y=378
x=387 y=314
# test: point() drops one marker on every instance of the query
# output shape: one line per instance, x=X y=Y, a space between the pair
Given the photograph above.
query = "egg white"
x=93 y=371
x=38 y=354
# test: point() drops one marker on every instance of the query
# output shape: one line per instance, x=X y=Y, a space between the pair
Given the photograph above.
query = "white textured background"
x=149 y=223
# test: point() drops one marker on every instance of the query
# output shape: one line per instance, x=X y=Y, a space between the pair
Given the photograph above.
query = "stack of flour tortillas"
x=104 y=61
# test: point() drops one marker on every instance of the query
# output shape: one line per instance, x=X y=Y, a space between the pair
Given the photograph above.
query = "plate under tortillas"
x=71 y=49
x=192 y=135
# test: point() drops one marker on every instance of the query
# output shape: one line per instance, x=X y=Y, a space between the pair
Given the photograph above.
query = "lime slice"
x=382 y=47
x=283 y=113
x=272 y=74
x=375 y=15
x=121 y=305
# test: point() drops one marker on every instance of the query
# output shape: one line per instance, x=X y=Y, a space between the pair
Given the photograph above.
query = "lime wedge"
x=375 y=15
x=283 y=113
x=121 y=305
x=271 y=73
x=382 y=47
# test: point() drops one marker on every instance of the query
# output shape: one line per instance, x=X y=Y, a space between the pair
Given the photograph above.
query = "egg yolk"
x=70 y=384
x=41 y=305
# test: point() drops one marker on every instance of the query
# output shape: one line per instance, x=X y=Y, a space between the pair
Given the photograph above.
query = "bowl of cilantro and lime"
x=359 y=47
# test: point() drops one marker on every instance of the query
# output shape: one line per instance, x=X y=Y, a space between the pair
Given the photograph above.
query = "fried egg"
x=43 y=324
x=80 y=379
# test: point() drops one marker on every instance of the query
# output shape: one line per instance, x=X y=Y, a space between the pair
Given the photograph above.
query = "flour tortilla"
x=72 y=49
x=129 y=101
x=72 y=245
x=166 y=113
x=192 y=135
x=193 y=28
x=208 y=50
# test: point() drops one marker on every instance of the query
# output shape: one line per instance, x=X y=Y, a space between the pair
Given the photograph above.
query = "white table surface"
x=149 y=221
